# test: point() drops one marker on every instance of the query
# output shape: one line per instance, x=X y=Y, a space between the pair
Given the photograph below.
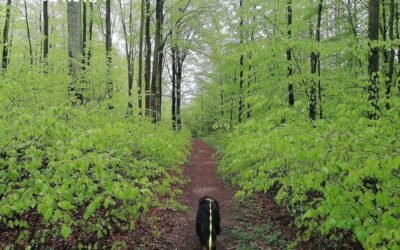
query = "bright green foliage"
x=337 y=175
x=79 y=169
x=330 y=177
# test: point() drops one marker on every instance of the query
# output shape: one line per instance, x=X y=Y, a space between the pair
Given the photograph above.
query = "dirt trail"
x=203 y=181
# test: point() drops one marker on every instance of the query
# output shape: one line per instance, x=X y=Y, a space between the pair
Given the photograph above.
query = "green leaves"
x=336 y=177
x=65 y=231
x=75 y=171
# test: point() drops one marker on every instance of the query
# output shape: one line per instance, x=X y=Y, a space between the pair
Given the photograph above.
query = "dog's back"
x=208 y=222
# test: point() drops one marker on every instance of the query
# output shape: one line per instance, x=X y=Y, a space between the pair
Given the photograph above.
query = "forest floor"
x=252 y=224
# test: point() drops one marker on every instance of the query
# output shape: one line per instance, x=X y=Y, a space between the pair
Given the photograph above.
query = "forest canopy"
x=98 y=100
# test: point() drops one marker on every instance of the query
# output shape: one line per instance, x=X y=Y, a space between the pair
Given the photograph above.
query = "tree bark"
x=315 y=69
x=373 y=57
x=389 y=75
x=109 y=49
x=89 y=52
x=147 y=71
x=140 y=73
x=4 y=63
x=84 y=35
x=28 y=32
x=45 y=32
x=173 y=98
x=75 y=46
x=156 y=61
x=289 y=53
x=128 y=49
x=241 y=62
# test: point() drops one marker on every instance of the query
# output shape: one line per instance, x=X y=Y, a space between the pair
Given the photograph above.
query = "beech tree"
x=373 y=57
x=6 y=45
x=75 y=47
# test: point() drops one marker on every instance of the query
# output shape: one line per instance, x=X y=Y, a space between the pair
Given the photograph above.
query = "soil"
x=177 y=229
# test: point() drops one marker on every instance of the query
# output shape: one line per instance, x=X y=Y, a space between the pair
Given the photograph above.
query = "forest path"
x=204 y=181
x=176 y=229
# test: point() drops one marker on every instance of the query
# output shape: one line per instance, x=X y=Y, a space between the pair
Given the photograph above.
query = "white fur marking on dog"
x=210 y=238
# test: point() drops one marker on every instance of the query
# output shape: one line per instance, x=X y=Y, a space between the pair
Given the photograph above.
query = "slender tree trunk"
x=159 y=83
x=147 y=71
x=75 y=46
x=45 y=33
x=4 y=63
x=109 y=49
x=289 y=54
x=140 y=74
x=373 y=57
x=128 y=50
x=89 y=52
x=241 y=62
x=28 y=33
x=84 y=35
x=173 y=98
x=250 y=70
x=156 y=61
x=389 y=75
x=313 y=90
x=315 y=69
x=180 y=60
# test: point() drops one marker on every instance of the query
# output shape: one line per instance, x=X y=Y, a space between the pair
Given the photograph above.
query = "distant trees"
x=6 y=45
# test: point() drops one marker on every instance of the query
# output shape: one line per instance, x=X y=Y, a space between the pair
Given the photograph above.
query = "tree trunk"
x=289 y=54
x=147 y=70
x=241 y=61
x=128 y=50
x=373 y=57
x=89 y=52
x=75 y=46
x=389 y=75
x=159 y=81
x=315 y=69
x=140 y=74
x=84 y=35
x=180 y=60
x=4 y=63
x=156 y=61
x=45 y=33
x=28 y=32
x=173 y=97
x=108 y=49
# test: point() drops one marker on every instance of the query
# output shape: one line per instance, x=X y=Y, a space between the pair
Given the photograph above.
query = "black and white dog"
x=208 y=222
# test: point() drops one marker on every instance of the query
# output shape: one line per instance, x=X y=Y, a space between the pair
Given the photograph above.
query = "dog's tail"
x=210 y=237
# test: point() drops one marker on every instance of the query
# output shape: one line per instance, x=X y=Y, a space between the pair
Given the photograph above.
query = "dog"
x=208 y=222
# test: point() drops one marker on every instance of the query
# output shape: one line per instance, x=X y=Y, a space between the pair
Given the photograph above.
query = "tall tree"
x=4 y=61
x=89 y=49
x=241 y=62
x=127 y=30
x=389 y=73
x=315 y=68
x=147 y=65
x=75 y=46
x=140 y=69
x=45 y=31
x=109 y=49
x=156 y=60
x=373 y=57
x=28 y=32
x=289 y=53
